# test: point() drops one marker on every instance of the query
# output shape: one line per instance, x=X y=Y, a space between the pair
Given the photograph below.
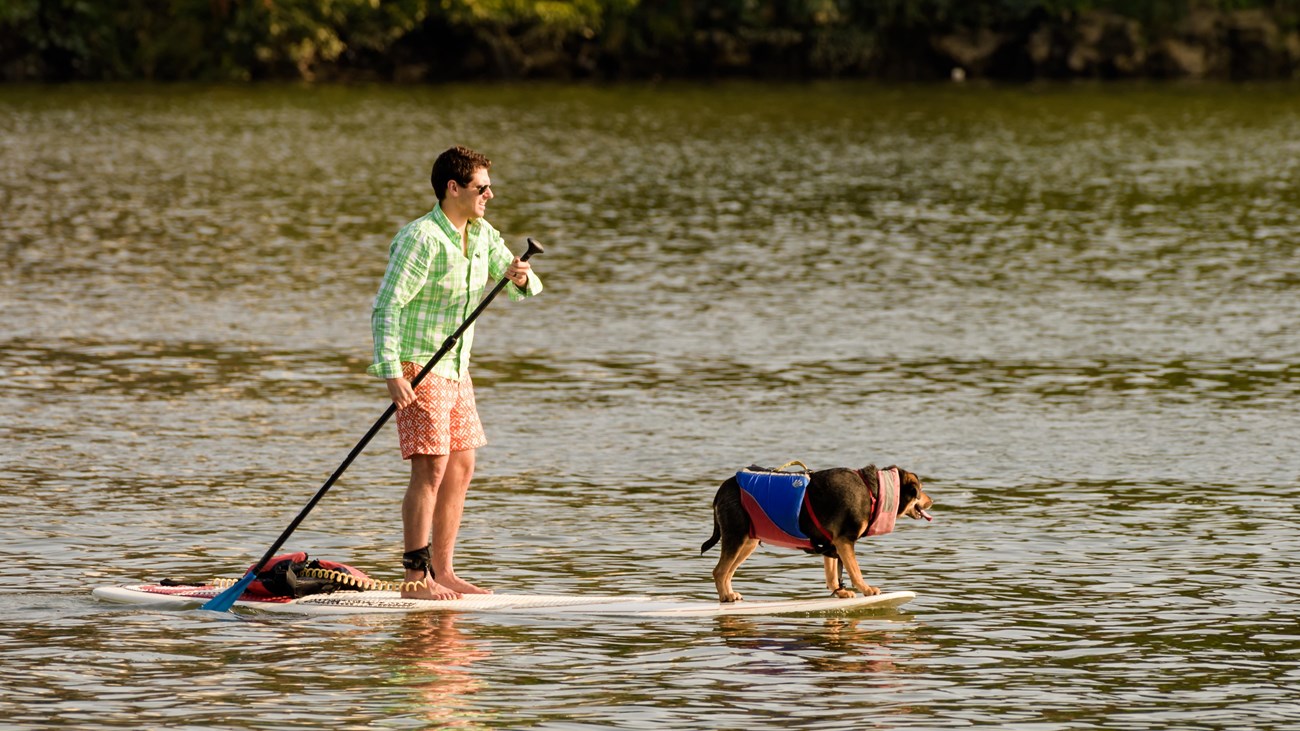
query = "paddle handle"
x=223 y=601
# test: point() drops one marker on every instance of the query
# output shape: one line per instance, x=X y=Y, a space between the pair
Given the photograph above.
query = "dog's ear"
x=909 y=485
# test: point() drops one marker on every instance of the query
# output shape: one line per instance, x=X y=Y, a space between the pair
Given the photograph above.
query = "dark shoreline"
x=1233 y=45
x=1236 y=45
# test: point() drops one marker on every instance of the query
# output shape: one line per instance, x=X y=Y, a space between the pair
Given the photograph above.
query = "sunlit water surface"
x=1073 y=311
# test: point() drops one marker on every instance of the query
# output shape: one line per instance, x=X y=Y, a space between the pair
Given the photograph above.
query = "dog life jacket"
x=773 y=500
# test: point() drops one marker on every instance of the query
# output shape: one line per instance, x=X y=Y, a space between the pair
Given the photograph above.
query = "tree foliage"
x=258 y=39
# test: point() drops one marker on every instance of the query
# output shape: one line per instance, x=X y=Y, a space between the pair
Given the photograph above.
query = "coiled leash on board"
x=294 y=576
x=346 y=582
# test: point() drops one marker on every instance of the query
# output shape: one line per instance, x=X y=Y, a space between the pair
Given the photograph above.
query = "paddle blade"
x=226 y=599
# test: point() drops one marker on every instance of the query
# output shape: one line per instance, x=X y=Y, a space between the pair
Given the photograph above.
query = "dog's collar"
x=884 y=501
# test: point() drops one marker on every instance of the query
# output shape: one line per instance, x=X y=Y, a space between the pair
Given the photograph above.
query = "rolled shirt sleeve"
x=499 y=259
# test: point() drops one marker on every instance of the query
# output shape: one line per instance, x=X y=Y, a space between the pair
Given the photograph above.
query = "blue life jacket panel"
x=773 y=500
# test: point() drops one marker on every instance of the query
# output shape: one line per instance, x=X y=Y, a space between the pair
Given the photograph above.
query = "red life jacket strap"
x=808 y=506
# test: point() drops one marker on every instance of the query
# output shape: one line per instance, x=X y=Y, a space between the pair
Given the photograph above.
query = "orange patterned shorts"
x=443 y=418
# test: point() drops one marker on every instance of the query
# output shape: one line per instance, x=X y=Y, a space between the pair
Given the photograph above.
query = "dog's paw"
x=728 y=598
x=871 y=591
x=843 y=593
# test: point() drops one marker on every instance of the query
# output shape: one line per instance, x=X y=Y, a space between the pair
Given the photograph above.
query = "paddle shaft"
x=447 y=345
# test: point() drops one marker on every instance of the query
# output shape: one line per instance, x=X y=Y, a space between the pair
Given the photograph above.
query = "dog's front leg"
x=831 y=567
x=834 y=578
x=845 y=550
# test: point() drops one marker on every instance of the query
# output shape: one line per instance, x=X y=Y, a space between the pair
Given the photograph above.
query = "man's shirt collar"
x=444 y=223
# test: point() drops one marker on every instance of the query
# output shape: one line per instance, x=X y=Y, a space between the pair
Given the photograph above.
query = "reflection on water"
x=433 y=659
x=1071 y=310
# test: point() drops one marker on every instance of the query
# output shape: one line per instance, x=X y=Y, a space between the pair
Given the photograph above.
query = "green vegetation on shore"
x=438 y=40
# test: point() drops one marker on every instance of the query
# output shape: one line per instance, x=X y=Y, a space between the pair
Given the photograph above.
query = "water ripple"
x=1070 y=310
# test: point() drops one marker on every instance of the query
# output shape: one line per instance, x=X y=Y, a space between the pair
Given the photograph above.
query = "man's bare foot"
x=428 y=589
x=455 y=583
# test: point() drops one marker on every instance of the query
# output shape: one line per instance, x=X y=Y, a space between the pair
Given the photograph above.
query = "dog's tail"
x=713 y=539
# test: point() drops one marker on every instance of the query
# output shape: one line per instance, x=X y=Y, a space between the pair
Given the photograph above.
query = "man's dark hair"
x=458 y=164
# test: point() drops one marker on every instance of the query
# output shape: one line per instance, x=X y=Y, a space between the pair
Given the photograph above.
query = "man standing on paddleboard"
x=439 y=266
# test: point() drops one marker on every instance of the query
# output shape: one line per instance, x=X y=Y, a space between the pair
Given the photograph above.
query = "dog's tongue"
x=925 y=515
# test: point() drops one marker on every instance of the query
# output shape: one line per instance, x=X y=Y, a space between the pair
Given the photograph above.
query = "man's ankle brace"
x=418 y=560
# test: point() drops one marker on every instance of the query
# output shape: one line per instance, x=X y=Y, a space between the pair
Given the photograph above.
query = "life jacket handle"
x=793 y=462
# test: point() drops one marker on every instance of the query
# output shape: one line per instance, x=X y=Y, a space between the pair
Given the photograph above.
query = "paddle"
x=226 y=599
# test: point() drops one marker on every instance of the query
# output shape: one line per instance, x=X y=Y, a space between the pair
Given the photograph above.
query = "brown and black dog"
x=841 y=501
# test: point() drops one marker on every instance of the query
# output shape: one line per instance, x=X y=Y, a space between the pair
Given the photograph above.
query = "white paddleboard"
x=368 y=602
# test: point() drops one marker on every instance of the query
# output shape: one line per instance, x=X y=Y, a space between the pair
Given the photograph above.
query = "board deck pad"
x=369 y=602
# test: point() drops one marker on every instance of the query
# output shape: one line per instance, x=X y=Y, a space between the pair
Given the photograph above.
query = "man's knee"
x=427 y=470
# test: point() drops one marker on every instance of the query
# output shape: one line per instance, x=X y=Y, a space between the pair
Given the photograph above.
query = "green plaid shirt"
x=431 y=287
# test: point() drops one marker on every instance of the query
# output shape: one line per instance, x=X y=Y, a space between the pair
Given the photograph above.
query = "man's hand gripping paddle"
x=226 y=599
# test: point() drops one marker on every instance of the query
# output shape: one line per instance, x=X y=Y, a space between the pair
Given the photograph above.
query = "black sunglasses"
x=481 y=188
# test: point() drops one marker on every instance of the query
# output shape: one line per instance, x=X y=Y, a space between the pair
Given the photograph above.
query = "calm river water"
x=1074 y=310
